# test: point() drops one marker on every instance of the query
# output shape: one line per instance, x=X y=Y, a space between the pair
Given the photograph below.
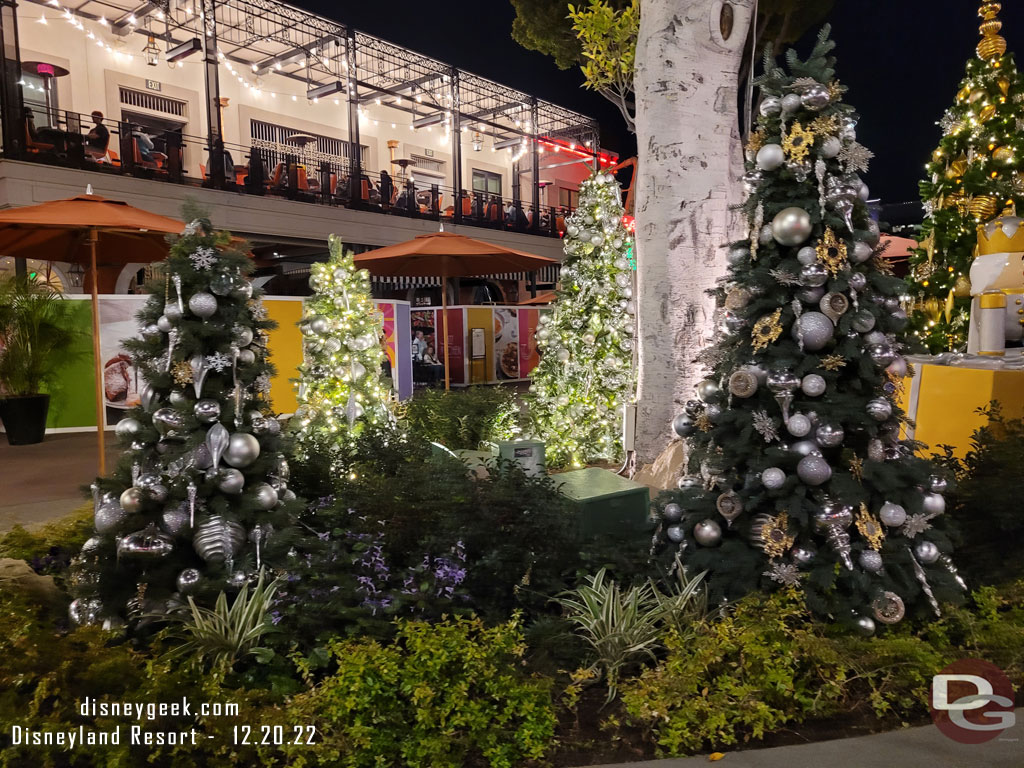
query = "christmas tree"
x=973 y=174
x=340 y=388
x=796 y=472
x=199 y=501
x=585 y=376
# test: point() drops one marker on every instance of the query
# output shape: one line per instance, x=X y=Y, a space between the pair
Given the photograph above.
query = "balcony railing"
x=274 y=168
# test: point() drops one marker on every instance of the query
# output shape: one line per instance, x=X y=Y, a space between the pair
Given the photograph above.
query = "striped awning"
x=544 y=275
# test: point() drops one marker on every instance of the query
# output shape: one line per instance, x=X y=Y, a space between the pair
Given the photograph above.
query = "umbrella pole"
x=93 y=237
x=444 y=326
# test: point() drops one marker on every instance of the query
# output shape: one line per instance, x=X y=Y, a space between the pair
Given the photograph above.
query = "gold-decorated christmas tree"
x=972 y=175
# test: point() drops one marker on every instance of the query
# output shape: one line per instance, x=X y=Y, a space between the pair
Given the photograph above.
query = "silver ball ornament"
x=675 y=533
x=861 y=252
x=811 y=295
x=807 y=255
x=128 y=428
x=683 y=425
x=203 y=305
x=188 y=581
x=243 y=449
x=933 y=504
x=803 y=554
x=865 y=626
x=829 y=435
x=765 y=236
x=708 y=390
x=737 y=256
x=246 y=357
x=870 y=560
x=804 y=447
x=85 y=611
x=206 y=410
x=110 y=517
x=265 y=495
x=230 y=481
x=926 y=551
x=672 y=513
x=881 y=354
x=831 y=147
x=815 y=329
x=177 y=398
x=815 y=97
x=791 y=226
x=862 y=321
x=773 y=478
x=790 y=103
x=243 y=336
x=770 y=157
x=770 y=105
x=172 y=312
x=164 y=324
x=132 y=501
x=892 y=514
x=813 y=470
x=813 y=385
x=937 y=484
x=151 y=332
x=798 y=425
x=879 y=409
x=707 y=533
x=813 y=275
x=168 y=421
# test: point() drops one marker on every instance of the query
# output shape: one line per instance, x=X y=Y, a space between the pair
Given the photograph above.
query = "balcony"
x=259 y=105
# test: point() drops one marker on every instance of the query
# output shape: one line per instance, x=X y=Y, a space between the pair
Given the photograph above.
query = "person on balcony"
x=387 y=188
x=145 y=143
x=97 y=140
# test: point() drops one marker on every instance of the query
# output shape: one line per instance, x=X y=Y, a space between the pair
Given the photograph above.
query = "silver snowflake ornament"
x=855 y=157
x=218 y=361
x=947 y=121
x=783 y=277
x=259 y=312
x=765 y=425
x=916 y=524
x=262 y=383
x=929 y=208
x=786 y=574
x=203 y=258
x=192 y=228
x=803 y=83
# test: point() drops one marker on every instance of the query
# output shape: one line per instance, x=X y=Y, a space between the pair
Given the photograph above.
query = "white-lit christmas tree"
x=340 y=386
x=586 y=373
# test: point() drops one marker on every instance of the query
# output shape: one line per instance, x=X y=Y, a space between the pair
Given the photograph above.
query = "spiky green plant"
x=685 y=603
x=225 y=635
x=36 y=335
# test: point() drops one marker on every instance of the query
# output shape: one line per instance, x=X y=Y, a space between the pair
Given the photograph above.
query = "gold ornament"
x=831 y=252
x=897 y=383
x=1004 y=85
x=957 y=168
x=835 y=90
x=962 y=287
x=824 y=125
x=987 y=112
x=755 y=141
x=181 y=373
x=937 y=155
x=932 y=310
x=947 y=309
x=775 y=538
x=984 y=206
x=963 y=93
x=832 y=362
x=766 y=330
x=1003 y=154
x=703 y=423
x=869 y=528
x=857 y=468
x=880 y=263
x=798 y=143
x=929 y=246
x=992 y=45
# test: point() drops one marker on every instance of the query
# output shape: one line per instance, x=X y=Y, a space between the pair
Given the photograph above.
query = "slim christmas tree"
x=973 y=174
x=199 y=500
x=340 y=388
x=585 y=376
x=796 y=471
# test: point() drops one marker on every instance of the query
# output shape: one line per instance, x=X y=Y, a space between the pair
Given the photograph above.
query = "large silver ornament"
x=813 y=385
x=870 y=561
x=865 y=625
x=230 y=481
x=672 y=513
x=770 y=157
x=675 y=533
x=933 y=504
x=150 y=543
x=926 y=551
x=892 y=514
x=773 y=478
x=813 y=470
x=829 y=435
x=218 y=540
x=188 y=581
x=770 y=105
x=243 y=449
x=708 y=391
x=128 y=428
x=707 y=533
x=937 y=484
x=879 y=409
x=815 y=97
x=132 y=500
x=814 y=275
x=264 y=495
x=168 y=422
x=791 y=226
x=203 y=305
x=683 y=425
x=814 y=329
x=798 y=425
x=206 y=410
x=85 y=611
x=110 y=517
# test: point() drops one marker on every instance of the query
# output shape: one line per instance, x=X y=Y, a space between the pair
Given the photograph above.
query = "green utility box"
x=607 y=503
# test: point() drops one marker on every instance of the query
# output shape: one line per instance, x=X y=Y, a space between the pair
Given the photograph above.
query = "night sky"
x=901 y=60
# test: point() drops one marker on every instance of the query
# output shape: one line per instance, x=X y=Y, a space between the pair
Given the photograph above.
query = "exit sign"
x=428 y=152
x=153 y=85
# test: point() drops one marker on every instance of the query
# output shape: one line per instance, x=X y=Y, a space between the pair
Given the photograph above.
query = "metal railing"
x=312 y=176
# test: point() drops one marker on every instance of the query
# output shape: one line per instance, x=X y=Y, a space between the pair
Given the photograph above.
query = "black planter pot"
x=24 y=418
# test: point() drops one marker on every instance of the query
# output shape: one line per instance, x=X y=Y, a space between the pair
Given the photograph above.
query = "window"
x=154 y=102
x=273 y=140
x=428 y=165
x=569 y=198
x=485 y=181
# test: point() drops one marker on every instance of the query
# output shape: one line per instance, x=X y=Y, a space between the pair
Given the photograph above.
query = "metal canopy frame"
x=271 y=37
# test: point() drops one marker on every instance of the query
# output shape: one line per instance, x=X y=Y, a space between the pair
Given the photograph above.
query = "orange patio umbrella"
x=444 y=255
x=93 y=231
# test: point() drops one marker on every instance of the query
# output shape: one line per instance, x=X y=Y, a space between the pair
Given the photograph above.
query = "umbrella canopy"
x=443 y=254
x=92 y=230
x=58 y=231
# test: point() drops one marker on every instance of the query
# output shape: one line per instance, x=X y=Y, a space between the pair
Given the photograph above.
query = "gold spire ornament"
x=992 y=45
x=870 y=529
x=766 y=330
x=797 y=143
x=831 y=252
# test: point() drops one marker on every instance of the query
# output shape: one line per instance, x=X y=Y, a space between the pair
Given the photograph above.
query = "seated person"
x=229 y=167
x=432 y=364
x=97 y=140
x=145 y=144
x=419 y=344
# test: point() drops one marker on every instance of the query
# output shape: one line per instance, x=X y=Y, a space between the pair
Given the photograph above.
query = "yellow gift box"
x=943 y=402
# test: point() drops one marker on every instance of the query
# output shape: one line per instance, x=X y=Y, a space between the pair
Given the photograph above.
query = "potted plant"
x=36 y=339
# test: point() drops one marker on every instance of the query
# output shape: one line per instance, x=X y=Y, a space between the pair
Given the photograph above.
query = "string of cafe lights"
x=257 y=90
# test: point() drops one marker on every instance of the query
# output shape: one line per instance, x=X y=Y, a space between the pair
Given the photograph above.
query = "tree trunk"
x=691 y=161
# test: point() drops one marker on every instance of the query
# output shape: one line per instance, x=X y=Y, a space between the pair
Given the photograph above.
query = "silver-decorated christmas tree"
x=586 y=374
x=797 y=474
x=199 y=501
x=340 y=387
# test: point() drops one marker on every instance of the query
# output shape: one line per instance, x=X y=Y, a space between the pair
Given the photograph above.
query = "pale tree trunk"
x=690 y=161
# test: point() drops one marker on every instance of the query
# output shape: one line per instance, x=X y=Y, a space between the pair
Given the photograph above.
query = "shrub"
x=49 y=548
x=444 y=695
x=464 y=418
